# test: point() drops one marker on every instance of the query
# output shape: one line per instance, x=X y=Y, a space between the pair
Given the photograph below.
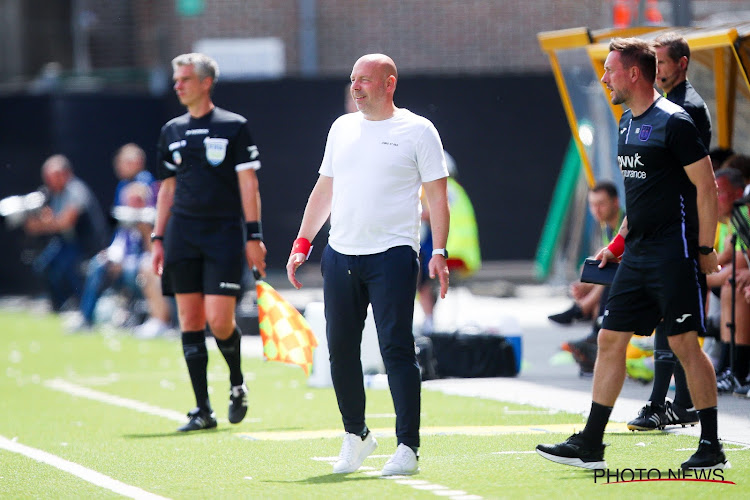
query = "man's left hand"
x=708 y=263
x=439 y=267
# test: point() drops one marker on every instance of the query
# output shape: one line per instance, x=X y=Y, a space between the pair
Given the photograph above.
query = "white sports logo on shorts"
x=683 y=318
x=216 y=149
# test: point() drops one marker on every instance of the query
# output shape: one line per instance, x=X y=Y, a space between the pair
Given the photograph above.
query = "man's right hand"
x=605 y=255
x=295 y=260
x=255 y=253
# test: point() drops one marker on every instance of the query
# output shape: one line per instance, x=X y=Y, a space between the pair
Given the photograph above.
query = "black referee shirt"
x=203 y=153
x=660 y=200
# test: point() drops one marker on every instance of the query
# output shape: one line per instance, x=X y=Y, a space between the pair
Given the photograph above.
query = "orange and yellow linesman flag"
x=286 y=334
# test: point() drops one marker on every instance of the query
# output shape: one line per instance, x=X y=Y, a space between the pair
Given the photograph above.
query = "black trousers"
x=388 y=281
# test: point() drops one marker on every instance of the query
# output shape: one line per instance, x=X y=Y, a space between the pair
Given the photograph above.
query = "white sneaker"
x=152 y=328
x=403 y=463
x=353 y=452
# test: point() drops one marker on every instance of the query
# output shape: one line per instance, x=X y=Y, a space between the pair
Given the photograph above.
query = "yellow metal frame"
x=552 y=41
x=715 y=47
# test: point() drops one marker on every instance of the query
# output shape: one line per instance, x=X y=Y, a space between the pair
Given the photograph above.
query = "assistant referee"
x=208 y=215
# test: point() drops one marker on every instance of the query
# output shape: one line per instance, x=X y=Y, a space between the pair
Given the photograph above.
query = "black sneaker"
x=584 y=353
x=709 y=456
x=726 y=382
x=568 y=317
x=199 y=420
x=237 y=403
x=574 y=451
x=742 y=392
x=679 y=415
x=652 y=417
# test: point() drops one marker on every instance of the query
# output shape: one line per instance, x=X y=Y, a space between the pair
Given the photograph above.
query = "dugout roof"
x=719 y=66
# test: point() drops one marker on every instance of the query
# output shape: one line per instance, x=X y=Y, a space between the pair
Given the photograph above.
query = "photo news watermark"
x=619 y=476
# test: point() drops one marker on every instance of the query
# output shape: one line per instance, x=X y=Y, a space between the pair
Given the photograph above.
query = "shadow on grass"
x=176 y=433
x=329 y=479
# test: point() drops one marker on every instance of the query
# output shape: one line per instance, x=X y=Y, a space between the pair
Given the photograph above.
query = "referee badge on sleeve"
x=216 y=149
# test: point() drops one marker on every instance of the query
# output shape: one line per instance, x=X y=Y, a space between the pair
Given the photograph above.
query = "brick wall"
x=423 y=36
x=468 y=36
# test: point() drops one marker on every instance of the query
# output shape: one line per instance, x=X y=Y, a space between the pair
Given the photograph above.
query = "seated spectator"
x=130 y=166
x=604 y=205
x=590 y=299
x=118 y=265
x=75 y=224
x=734 y=375
x=741 y=163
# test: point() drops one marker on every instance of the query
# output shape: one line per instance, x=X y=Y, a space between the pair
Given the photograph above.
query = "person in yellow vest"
x=464 y=256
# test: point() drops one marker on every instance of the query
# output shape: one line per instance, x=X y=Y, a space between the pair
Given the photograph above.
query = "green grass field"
x=93 y=416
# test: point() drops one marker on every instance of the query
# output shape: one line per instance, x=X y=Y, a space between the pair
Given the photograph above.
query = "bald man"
x=375 y=162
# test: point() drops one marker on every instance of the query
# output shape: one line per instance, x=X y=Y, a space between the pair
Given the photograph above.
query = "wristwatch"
x=155 y=237
x=440 y=251
x=703 y=250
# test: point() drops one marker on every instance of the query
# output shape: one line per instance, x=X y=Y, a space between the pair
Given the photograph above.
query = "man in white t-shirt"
x=375 y=162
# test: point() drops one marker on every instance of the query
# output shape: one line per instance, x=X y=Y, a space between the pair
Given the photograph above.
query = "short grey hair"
x=204 y=65
x=57 y=161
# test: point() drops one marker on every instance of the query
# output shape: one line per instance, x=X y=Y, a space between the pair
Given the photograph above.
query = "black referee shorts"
x=203 y=256
x=642 y=294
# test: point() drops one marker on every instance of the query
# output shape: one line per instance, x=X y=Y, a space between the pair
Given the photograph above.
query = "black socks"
x=709 y=431
x=664 y=363
x=196 y=358
x=230 y=349
x=681 y=391
x=593 y=433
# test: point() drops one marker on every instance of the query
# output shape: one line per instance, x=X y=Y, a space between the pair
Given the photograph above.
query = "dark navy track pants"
x=388 y=281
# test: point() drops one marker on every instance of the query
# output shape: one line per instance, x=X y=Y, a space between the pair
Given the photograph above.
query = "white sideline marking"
x=511 y=390
x=417 y=484
x=84 y=473
x=59 y=384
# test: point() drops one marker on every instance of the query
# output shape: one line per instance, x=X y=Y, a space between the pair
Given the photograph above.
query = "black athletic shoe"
x=584 y=353
x=237 y=403
x=742 y=392
x=726 y=382
x=709 y=456
x=574 y=451
x=679 y=415
x=567 y=317
x=199 y=420
x=652 y=417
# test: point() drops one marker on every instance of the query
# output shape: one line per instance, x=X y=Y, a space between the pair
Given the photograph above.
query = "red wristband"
x=302 y=245
x=617 y=246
